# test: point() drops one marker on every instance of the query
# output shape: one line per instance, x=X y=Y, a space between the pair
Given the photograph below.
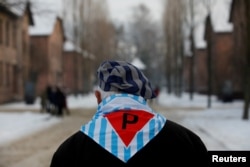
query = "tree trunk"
x=247 y=66
x=209 y=63
x=192 y=64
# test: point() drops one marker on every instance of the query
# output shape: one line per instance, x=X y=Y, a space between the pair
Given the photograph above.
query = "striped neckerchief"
x=123 y=124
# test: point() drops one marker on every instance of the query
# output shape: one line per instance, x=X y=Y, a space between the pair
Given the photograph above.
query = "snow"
x=138 y=63
x=220 y=15
x=15 y=125
x=69 y=46
x=220 y=19
x=43 y=25
x=45 y=13
x=220 y=127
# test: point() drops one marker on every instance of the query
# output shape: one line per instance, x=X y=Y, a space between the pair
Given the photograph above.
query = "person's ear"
x=98 y=96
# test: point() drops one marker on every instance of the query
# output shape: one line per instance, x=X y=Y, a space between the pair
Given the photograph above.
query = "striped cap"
x=121 y=76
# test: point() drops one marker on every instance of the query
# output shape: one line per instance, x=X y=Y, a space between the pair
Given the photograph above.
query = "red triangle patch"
x=128 y=123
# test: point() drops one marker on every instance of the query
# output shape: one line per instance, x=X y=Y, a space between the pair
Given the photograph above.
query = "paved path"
x=36 y=150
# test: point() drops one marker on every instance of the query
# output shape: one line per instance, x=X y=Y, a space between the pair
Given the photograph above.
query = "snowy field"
x=220 y=127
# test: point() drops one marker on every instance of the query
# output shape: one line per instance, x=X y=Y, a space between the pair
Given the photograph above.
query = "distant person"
x=65 y=106
x=52 y=99
x=125 y=131
x=44 y=101
x=157 y=92
x=227 y=91
x=60 y=100
x=65 y=103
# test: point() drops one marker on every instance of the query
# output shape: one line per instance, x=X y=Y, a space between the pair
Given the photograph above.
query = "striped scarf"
x=123 y=124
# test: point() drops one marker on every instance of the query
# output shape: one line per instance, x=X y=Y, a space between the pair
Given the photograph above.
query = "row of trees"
x=247 y=60
x=180 y=20
x=88 y=26
x=147 y=36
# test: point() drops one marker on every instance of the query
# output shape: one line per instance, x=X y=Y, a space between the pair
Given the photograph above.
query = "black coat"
x=60 y=98
x=174 y=146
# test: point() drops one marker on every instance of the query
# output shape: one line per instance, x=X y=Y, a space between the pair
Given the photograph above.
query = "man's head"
x=123 y=77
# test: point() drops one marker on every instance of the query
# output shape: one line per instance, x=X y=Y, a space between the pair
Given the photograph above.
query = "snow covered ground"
x=220 y=127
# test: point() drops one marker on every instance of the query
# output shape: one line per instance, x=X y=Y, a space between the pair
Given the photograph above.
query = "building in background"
x=77 y=69
x=220 y=36
x=14 y=51
x=47 y=40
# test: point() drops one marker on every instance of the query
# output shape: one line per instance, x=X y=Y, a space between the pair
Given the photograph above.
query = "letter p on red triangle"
x=128 y=123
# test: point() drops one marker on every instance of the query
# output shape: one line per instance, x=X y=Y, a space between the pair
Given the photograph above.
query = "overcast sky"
x=121 y=10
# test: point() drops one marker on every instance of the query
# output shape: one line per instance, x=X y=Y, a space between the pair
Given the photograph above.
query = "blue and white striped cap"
x=121 y=76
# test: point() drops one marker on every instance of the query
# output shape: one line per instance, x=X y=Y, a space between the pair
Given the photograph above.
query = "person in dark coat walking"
x=60 y=99
x=125 y=131
x=51 y=93
x=44 y=101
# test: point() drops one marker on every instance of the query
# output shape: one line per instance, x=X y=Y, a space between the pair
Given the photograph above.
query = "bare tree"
x=102 y=32
x=247 y=64
x=145 y=35
x=17 y=6
x=13 y=3
x=168 y=21
x=241 y=59
x=174 y=35
x=191 y=24
x=91 y=29
x=209 y=37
